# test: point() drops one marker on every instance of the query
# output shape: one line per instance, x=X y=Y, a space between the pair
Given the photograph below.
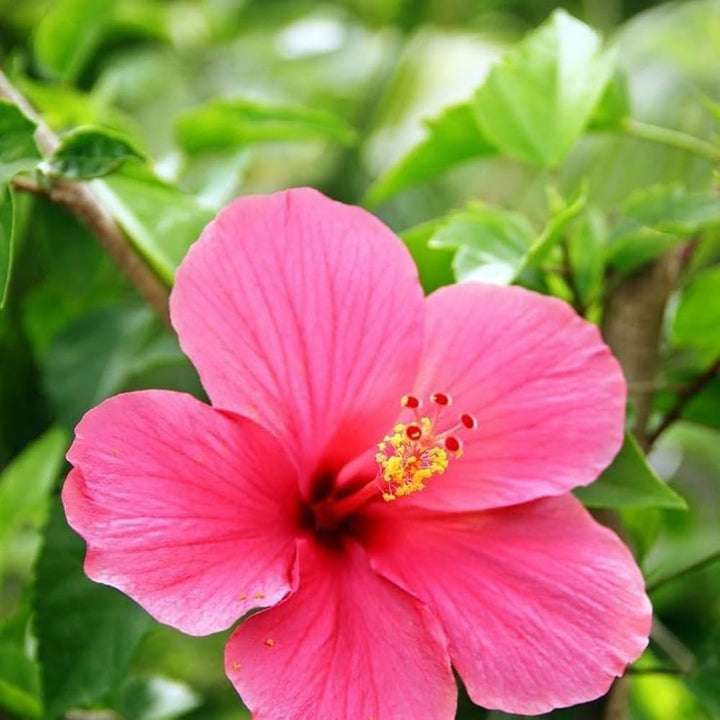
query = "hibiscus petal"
x=548 y=395
x=306 y=315
x=346 y=644
x=542 y=606
x=189 y=511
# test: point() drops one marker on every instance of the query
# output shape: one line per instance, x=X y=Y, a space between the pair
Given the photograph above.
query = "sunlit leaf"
x=630 y=482
x=492 y=242
x=535 y=104
x=452 y=138
x=87 y=633
x=69 y=34
x=614 y=105
x=222 y=124
x=88 y=153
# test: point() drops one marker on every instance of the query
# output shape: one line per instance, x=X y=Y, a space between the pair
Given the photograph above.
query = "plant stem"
x=672 y=646
x=80 y=200
x=683 y=398
x=671 y=138
x=693 y=567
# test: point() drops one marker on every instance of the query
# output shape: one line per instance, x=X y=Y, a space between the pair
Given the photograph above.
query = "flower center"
x=418 y=449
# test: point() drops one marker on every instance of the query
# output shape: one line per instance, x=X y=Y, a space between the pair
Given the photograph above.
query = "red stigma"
x=468 y=421
x=441 y=399
x=410 y=401
x=452 y=444
x=413 y=432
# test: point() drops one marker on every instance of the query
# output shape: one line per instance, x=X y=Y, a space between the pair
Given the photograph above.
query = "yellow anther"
x=406 y=463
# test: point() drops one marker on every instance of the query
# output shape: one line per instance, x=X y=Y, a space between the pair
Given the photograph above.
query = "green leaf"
x=586 y=248
x=614 y=105
x=88 y=153
x=7 y=241
x=26 y=483
x=18 y=151
x=704 y=679
x=631 y=245
x=69 y=34
x=492 y=242
x=116 y=344
x=155 y=698
x=239 y=122
x=537 y=102
x=674 y=209
x=697 y=320
x=630 y=482
x=161 y=221
x=87 y=633
x=19 y=682
x=553 y=232
x=452 y=138
x=433 y=264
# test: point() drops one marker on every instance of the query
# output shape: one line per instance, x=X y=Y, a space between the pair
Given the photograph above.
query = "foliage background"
x=334 y=95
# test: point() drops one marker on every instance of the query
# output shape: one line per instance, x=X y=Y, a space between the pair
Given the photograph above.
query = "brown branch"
x=80 y=200
x=632 y=325
x=682 y=400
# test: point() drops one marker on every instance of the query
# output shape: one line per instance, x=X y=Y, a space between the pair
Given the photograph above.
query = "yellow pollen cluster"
x=406 y=463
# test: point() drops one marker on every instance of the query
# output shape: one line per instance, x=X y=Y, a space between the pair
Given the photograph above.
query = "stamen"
x=453 y=445
x=420 y=449
x=413 y=432
x=410 y=401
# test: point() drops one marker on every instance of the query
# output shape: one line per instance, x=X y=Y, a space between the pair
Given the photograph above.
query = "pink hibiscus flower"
x=387 y=474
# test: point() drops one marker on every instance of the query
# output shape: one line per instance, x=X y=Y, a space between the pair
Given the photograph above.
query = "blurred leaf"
x=630 y=482
x=536 y=103
x=238 y=122
x=704 y=680
x=161 y=220
x=18 y=151
x=26 y=483
x=643 y=524
x=674 y=209
x=433 y=264
x=69 y=34
x=614 y=105
x=87 y=632
x=100 y=353
x=563 y=213
x=586 y=248
x=155 y=698
x=697 y=320
x=7 y=240
x=452 y=138
x=88 y=153
x=19 y=682
x=632 y=245
x=492 y=242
